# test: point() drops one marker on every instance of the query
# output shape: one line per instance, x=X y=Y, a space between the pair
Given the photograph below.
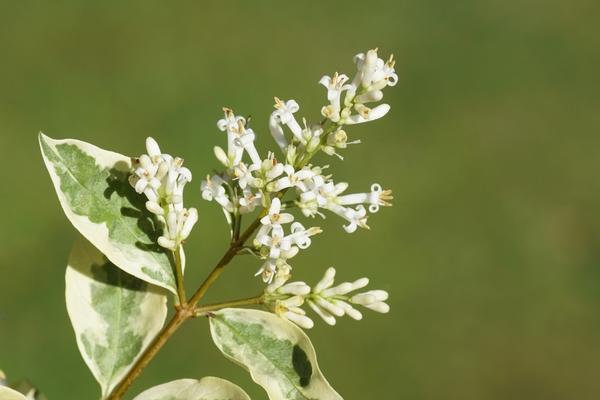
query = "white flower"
x=273 y=220
x=270 y=169
x=275 y=271
x=324 y=194
x=249 y=200
x=334 y=87
x=239 y=139
x=279 y=245
x=337 y=140
x=366 y=114
x=286 y=247
x=293 y=179
x=377 y=197
x=384 y=74
x=355 y=217
x=231 y=124
x=178 y=226
x=277 y=131
x=245 y=140
x=374 y=73
x=267 y=271
x=212 y=189
x=309 y=205
x=244 y=176
x=284 y=113
x=300 y=236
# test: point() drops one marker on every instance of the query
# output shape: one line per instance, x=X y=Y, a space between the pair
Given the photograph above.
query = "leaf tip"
x=43 y=140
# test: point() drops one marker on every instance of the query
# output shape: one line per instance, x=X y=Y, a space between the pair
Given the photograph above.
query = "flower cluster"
x=372 y=76
x=326 y=300
x=250 y=181
x=276 y=246
x=161 y=178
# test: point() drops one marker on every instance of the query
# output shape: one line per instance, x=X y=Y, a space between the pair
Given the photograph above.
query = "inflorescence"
x=263 y=182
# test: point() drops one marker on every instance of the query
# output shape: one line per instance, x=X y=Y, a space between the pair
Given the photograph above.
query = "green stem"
x=179 y=276
x=306 y=157
x=233 y=303
x=237 y=227
x=227 y=257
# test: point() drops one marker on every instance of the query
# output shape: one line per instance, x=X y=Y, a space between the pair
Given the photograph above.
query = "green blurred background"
x=491 y=251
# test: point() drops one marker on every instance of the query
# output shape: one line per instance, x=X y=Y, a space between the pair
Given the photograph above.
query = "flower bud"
x=152 y=147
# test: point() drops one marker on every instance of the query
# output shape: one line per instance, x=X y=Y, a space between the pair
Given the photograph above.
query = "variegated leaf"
x=94 y=192
x=115 y=315
x=208 y=388
x=7 y=393
x=278 y=354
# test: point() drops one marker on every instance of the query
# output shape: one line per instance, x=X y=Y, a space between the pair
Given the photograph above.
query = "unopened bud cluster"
x=327 y=301
x=161 y=178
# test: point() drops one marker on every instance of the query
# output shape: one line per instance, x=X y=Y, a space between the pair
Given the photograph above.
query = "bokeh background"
x=491 y=251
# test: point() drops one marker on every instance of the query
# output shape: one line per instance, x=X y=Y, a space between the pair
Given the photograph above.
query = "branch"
x=233 y=303
x=184 y=312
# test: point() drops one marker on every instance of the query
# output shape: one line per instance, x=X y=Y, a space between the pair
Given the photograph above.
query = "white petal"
x=275 y=206
x=285 y=218
x=379 y=111
x=189 y=223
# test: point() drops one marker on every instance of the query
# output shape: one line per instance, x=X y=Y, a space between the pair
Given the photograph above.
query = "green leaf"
x=208 y=388
x=7 y=393
x=94 y=192
x=115 y=315
x=278 y=354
